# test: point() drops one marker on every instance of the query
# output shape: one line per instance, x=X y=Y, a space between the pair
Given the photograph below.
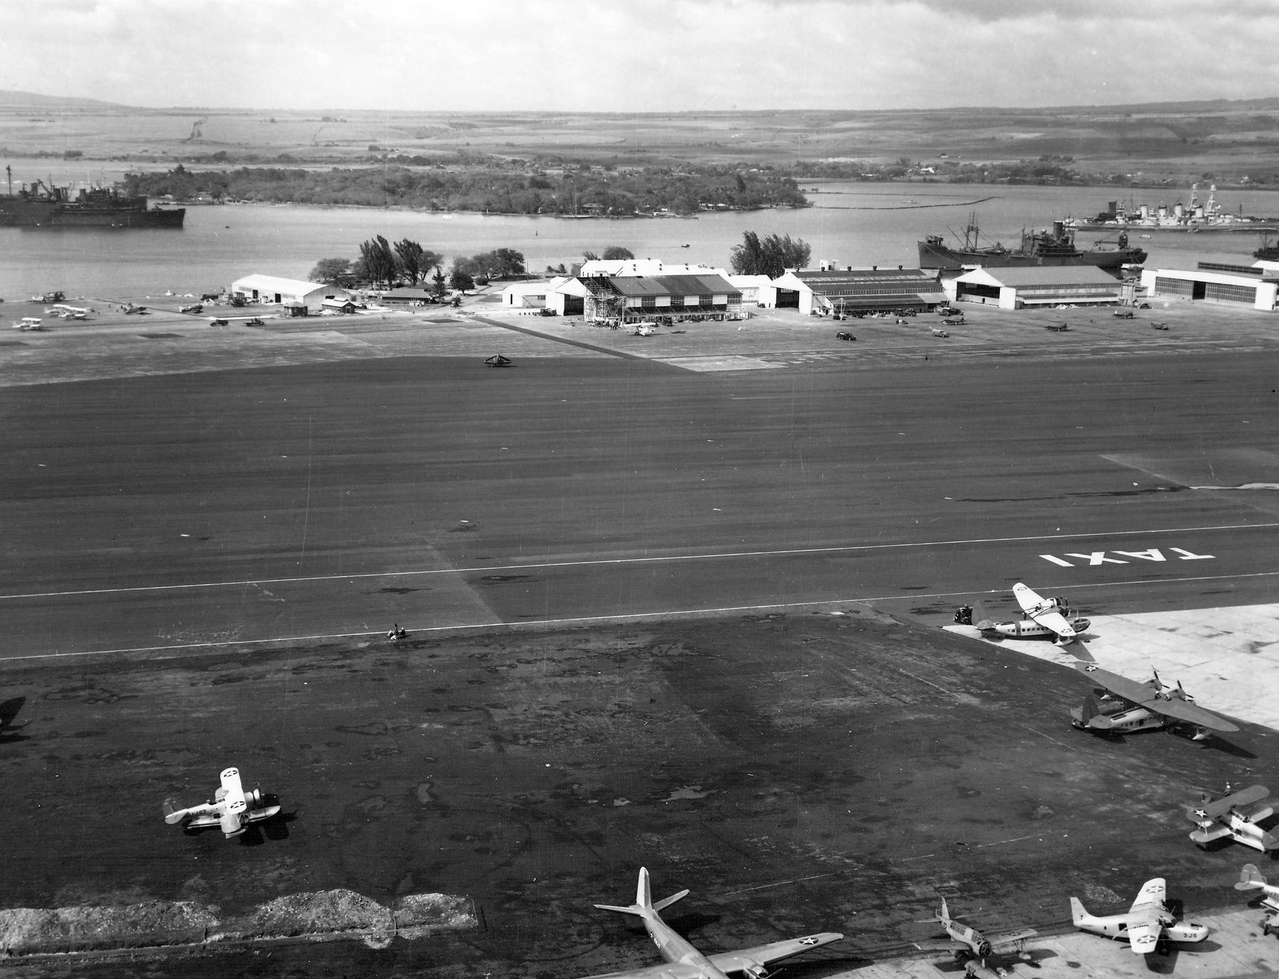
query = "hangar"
x=620 y=299
x=1039 y=285
x=562 y=295
x=290 y=292
x=872 y=290
x=1241 y=285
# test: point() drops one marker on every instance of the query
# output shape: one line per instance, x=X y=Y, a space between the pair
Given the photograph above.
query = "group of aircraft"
x=1145 y=926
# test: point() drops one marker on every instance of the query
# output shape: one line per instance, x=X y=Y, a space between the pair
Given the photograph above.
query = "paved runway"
x=332 y=500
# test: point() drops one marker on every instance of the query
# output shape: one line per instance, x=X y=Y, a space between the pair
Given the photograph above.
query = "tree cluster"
x=771 y=255
x=381 y=263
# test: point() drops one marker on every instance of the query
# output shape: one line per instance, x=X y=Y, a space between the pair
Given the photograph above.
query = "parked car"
x=844 y=335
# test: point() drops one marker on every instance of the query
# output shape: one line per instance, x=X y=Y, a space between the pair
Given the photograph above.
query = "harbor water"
x=857 y=224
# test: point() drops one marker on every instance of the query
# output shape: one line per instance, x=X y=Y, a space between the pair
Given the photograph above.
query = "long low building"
x=1241 y=285
x=1039 y=285
x=286 y=292
x=872 y=290
x=621 y=299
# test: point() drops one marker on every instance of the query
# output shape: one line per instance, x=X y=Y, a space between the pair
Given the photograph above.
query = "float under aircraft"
x=232 y=808
x=1126 y=706
x=1250 y=879
x=1045 y=617
x=1145 y=924
x=498 y=360
x=1235 y=815
x=683 y=961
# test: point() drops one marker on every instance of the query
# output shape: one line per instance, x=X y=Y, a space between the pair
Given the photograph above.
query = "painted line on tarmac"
x=620 y=561
x=597 y=620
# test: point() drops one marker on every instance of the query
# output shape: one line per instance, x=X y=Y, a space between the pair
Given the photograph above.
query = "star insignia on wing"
x=808 y=941
x=1201 y=813
x=1091 y=668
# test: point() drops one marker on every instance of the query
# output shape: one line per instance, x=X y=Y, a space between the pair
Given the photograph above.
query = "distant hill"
x=10 y=99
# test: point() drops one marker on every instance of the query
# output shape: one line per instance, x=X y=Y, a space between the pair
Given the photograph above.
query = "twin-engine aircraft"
x=498 y=360
x=974 y=947
x=232 y=808
x=1045 y=617
x=686 y=962
x=1250 y=879
x=1126 y=706
x=1235 y=816
x=1145 y=924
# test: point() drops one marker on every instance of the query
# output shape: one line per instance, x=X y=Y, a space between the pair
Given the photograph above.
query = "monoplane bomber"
x=975 y=949
x=1121 y=706
x=683 y=961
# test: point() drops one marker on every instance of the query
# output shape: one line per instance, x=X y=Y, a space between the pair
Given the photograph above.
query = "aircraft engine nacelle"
x=984 y=949
x=755 y=970
x=253 y=798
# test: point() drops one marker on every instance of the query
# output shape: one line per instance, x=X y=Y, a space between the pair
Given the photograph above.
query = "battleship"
x=1055 y=247
x=42 y=206
x=1191 y=217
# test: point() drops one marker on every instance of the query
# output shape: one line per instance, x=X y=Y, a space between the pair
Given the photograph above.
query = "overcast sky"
x=639 y=55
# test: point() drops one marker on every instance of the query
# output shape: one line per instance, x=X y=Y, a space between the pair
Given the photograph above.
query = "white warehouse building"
x=286 y=292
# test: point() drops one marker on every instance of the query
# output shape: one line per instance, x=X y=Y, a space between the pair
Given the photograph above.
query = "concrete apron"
x=1226 y=658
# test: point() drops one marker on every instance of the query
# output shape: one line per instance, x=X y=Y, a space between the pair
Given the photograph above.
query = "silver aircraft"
x=1145 y=924
x=683 y=961
x=1250 y=879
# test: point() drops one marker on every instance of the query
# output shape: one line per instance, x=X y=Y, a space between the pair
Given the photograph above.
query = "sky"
x=639 y=55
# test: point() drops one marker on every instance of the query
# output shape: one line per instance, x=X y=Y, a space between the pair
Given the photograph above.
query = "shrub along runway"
x=803 y=763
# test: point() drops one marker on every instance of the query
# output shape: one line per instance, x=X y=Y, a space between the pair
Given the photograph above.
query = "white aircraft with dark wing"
x=1250 y=879
x=974 y=948
x=232 y=808
x=1235 y=815
x=683 y=961
x=1044 y=617
x=1145 y=924
x=1123 y=706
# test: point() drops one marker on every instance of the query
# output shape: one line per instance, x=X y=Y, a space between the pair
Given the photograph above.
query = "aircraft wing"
x=1191 y=713
x=1121 y=686
x=1029 y=599
x=1012 y=938
x=1143 y=935
x=752 y=958
x=1244 y=797
x=1054 y=620
x=667 y=970
x=1153 y=892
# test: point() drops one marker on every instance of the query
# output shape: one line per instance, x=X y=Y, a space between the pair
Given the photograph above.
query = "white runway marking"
x=661 y=559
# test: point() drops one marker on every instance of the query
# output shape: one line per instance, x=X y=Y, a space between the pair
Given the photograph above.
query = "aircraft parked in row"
x=1231 y=816
x=1126 y=706
x=232 y=808
x=1145 y=924
x=1044 y=617
x=686 y=962
x=1250 y=879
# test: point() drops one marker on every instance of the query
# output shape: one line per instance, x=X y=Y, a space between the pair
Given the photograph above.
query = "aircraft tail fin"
x=644 y=905
x=1250 y=877
x=1077 y=912
x=944 y=915
x=172 y=814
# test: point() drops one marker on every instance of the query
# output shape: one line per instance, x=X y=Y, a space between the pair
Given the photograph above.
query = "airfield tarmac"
x=683 y=618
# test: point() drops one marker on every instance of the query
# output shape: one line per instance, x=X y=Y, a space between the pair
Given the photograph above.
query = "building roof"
x=274 y=283
x=658 y=285
x=1022 y=276
x=870 y=288
x=408 y=293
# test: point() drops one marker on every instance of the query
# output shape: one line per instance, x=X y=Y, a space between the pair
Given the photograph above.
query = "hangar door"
x=788 y=299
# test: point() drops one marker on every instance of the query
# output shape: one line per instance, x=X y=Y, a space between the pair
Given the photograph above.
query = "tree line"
x=486 y=187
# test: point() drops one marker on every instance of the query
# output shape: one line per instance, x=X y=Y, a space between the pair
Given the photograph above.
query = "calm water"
x=852 y=224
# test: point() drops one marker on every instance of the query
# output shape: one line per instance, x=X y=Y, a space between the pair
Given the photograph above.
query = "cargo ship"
x=1055 y=247
x=41 y=206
